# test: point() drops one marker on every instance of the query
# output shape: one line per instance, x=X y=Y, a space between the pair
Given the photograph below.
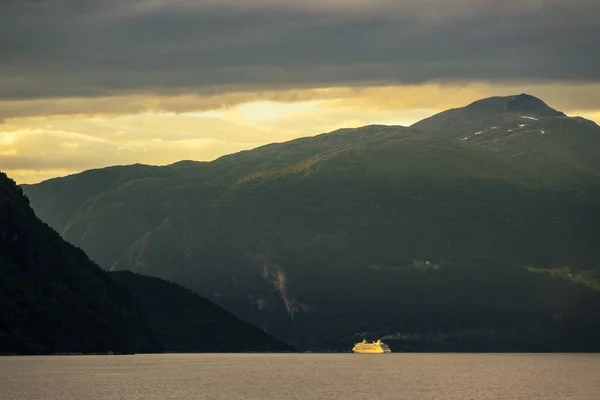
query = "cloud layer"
x=71 y=48
x=90 y=83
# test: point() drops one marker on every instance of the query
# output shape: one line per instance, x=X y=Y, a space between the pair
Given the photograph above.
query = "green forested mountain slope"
x=413 y=234
x=52 y=297
x=64 y=195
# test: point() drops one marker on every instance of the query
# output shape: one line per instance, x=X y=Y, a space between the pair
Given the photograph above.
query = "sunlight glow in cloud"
x=264 y=111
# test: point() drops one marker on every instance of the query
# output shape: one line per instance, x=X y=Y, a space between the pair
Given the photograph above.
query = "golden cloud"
x=562 y=96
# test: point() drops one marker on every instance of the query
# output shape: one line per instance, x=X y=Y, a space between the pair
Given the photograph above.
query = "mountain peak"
x=489 y=113
x=522 y=103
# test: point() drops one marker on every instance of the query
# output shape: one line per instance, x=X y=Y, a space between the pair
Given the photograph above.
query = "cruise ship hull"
x=371 y=351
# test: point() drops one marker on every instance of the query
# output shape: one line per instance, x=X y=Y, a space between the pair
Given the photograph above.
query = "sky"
x=92 y=83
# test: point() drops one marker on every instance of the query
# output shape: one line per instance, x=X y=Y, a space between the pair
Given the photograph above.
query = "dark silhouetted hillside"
x=185 y=322
x=53 y=299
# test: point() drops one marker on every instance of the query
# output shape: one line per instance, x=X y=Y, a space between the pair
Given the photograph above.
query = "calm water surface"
x=303 y=376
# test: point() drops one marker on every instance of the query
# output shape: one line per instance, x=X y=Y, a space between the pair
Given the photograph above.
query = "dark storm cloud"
x=96 y=48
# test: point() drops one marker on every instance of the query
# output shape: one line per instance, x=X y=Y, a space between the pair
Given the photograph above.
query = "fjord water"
x=302 y=376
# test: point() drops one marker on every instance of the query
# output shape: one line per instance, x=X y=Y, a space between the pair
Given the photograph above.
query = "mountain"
x=53 y=298
x=528 y=132
x=412 y=234
x=185 y=322
x=487 y=113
